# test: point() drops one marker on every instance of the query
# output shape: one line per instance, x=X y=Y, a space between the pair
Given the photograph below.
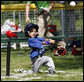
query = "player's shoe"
x=51 y=71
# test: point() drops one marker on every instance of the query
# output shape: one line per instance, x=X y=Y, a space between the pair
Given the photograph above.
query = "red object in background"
x=10 y=34
x=60 y=52
x=75 y=51
x=52 y=28
x=15 y=26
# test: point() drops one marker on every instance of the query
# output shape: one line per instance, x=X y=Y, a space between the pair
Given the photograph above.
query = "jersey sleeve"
x=41 y=39
x=35 y=43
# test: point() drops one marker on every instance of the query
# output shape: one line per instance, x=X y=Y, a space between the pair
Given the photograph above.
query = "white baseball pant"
x=44 y=60
x=43 y=20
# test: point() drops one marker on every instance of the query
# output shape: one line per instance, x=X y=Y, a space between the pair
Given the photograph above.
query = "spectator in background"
x=43 y=13
x=76 y=52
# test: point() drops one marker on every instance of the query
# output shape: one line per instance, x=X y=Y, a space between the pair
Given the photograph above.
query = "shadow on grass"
x=68 y=62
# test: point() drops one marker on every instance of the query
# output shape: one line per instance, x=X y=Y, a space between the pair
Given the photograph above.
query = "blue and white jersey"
x=36 y=46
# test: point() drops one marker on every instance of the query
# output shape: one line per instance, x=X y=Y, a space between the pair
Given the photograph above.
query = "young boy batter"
x=37 y=54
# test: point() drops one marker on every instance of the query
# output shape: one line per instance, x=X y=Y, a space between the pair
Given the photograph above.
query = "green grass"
x=72 y=67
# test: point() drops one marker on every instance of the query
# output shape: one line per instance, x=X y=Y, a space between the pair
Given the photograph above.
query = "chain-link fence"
x=69 y=22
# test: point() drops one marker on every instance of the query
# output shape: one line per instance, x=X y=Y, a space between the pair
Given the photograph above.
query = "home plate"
x=21 y=74
x=28 y=72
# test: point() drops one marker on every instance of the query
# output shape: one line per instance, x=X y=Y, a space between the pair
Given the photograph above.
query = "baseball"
x=72 y=3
